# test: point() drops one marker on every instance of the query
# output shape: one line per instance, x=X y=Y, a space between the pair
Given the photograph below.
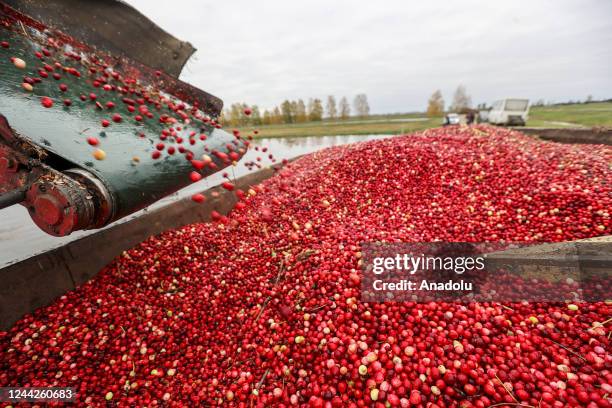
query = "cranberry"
x=198 y=198
x=93 y=141
x=46 y=102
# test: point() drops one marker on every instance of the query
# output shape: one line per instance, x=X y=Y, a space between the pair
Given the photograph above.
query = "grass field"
x=590 y=114
x=576 y=115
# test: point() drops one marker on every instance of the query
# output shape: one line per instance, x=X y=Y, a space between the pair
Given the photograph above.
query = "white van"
x=509 y=112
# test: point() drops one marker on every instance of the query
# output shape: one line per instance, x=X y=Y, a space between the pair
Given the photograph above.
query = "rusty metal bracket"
x=58 y=202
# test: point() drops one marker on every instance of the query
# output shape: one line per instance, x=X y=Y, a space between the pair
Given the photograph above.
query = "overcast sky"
x=396 y=51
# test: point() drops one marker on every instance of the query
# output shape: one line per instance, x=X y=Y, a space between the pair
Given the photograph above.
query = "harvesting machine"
x=94 y=122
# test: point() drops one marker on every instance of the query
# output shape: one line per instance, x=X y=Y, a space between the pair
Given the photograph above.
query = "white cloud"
x=398 y=52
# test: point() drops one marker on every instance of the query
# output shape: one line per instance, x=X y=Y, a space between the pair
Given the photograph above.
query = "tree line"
x=296 y=111
x=462 y=102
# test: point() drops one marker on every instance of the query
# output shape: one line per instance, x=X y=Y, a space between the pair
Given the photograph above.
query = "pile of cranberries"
x=262 y=307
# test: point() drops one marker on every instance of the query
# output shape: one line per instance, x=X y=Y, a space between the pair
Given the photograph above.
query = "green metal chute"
x=130 y=173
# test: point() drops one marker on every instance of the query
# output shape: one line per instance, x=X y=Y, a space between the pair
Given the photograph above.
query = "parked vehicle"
x=483 y=115
x=452 y=119
x=509 y=112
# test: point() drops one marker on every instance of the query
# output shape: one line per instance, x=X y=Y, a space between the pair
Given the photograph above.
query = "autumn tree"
x=461 y=100
x=315 y=109
x=360 y=103
x=255 y=118
x=300 y=112
x=277 y=117
x=435 y=107
x=244 y=119
x=286 y=112
x=267 y=118
x=332 y=111
x=294 y=111
x=345 y=108
x=224 y=117
x=318 y=109
x=235 y=115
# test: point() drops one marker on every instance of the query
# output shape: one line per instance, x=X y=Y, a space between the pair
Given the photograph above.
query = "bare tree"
x=435 y=107
x=362 y=108
x=461 y=100
x=332 y=111
x=345 y=108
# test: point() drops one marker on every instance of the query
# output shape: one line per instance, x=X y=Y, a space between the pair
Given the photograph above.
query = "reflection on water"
x=20 y=238
x=294 y=146
x=290 y=147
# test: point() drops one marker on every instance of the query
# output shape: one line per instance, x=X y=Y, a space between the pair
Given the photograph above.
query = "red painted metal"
x=59 y=203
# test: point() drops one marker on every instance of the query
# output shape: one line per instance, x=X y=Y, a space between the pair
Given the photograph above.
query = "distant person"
x=469 y=118
x=446 y=121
